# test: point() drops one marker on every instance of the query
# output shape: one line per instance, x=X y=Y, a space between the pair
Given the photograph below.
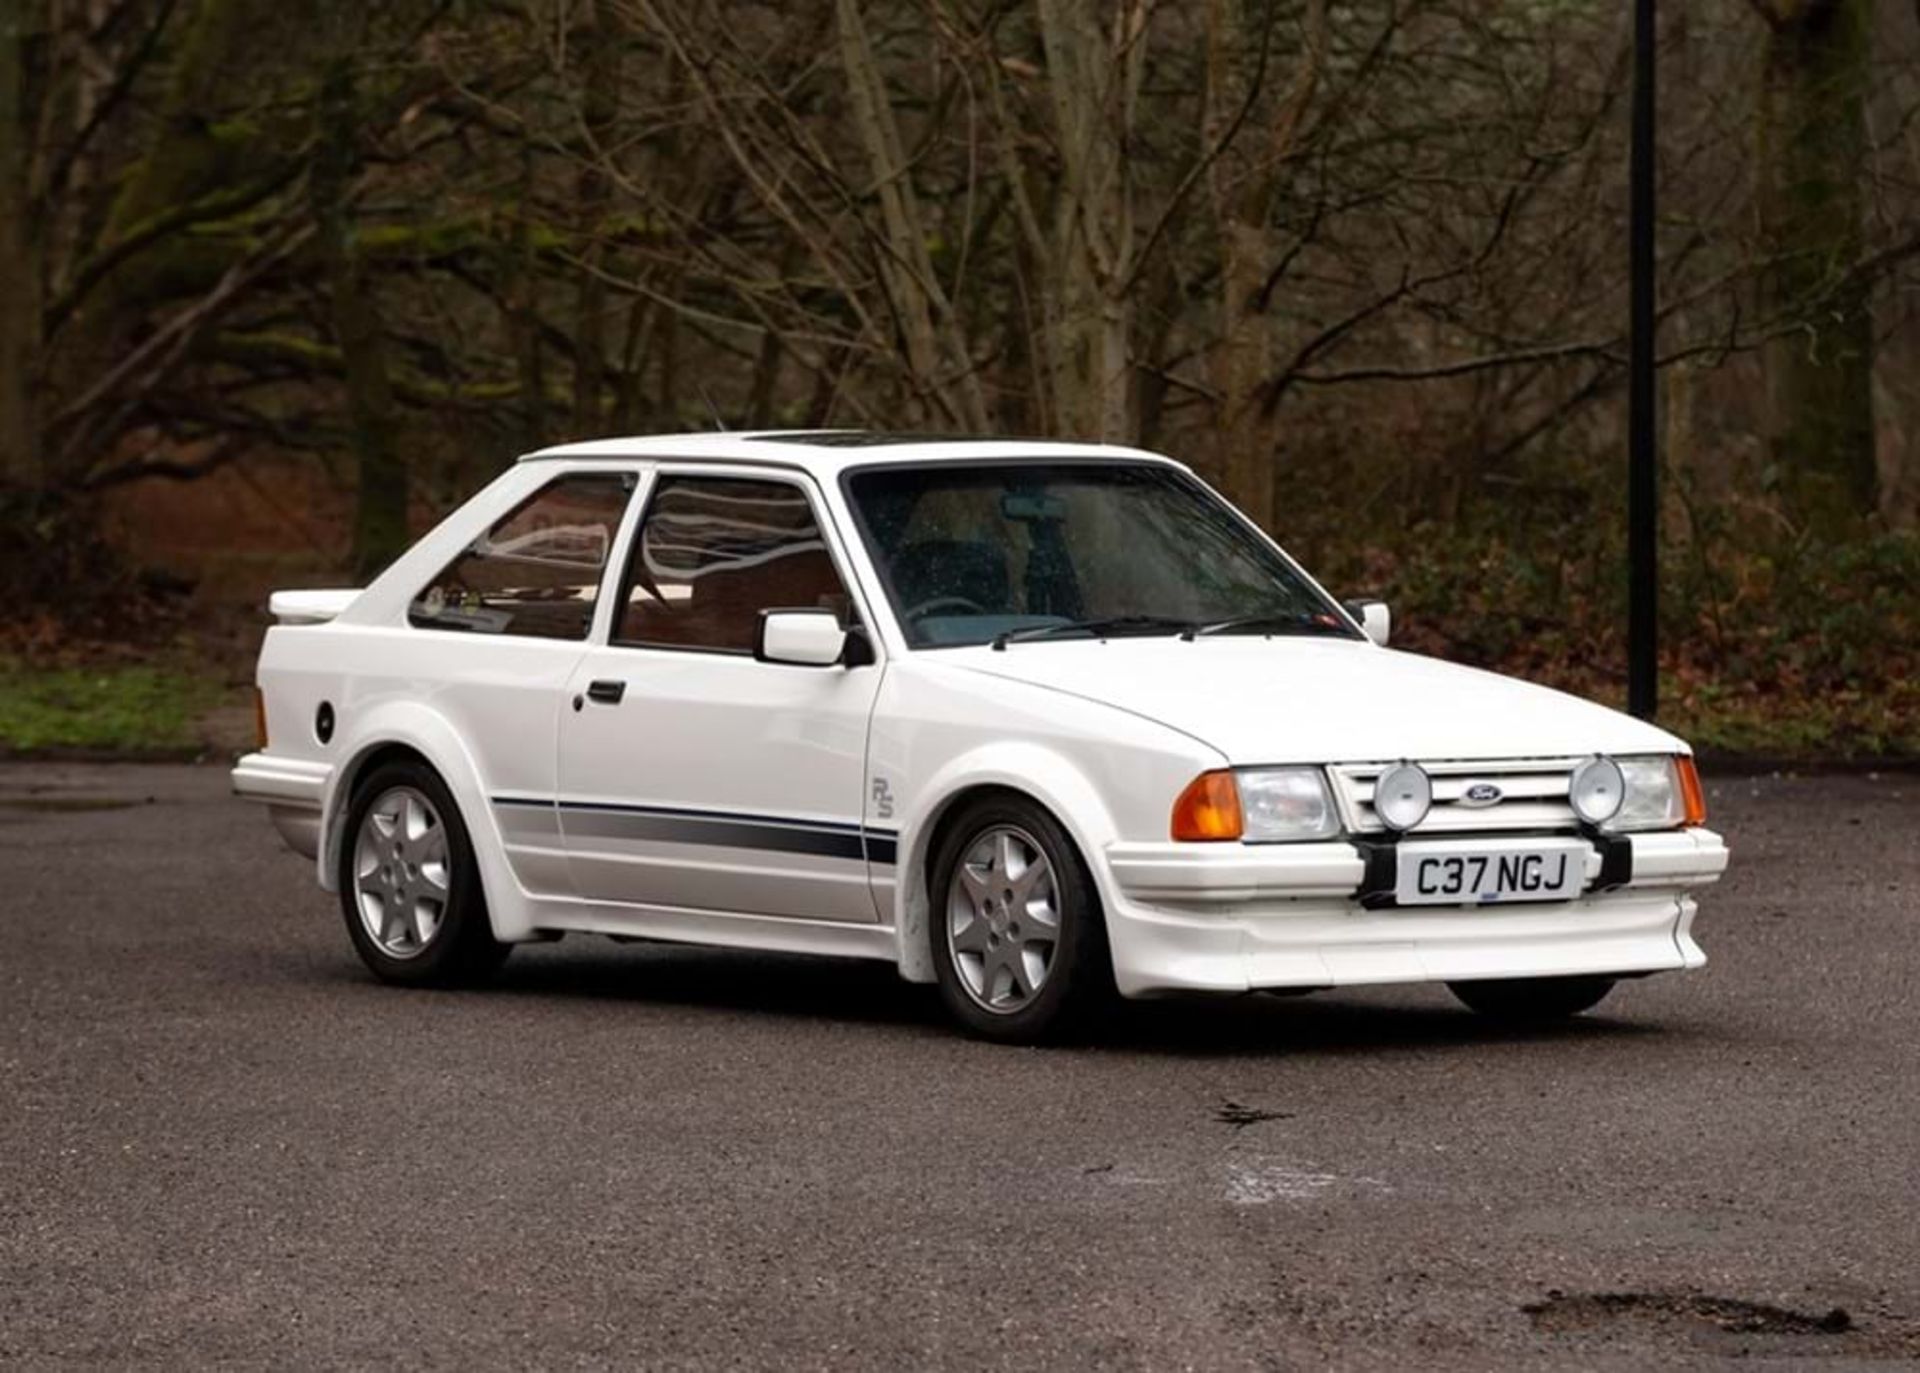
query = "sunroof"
x=866 y=438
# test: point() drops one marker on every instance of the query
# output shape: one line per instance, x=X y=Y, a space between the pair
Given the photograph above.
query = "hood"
x=1319 y=700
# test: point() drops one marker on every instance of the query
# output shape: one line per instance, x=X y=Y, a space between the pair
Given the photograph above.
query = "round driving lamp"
x=1403 y=796
x=1597 y=790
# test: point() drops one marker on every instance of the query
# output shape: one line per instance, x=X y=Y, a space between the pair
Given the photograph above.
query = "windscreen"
x=973 y=553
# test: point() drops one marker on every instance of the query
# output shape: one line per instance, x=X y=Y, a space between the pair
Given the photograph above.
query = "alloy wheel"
x=1003 y=919
x=402 y=877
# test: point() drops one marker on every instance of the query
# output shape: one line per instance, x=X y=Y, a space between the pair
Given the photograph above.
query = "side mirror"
x=1376 y=621
x=801 y=638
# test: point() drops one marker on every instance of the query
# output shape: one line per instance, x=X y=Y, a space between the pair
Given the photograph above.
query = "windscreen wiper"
x=1295 y=622
x=1100 y=628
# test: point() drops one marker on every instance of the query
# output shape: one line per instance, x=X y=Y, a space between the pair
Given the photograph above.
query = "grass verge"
x=118 y=709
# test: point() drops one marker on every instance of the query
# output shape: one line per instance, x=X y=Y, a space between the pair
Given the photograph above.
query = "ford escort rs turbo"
x=1036 y=722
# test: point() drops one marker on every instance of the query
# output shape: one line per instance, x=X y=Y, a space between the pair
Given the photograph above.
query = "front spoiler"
x=1234 y=918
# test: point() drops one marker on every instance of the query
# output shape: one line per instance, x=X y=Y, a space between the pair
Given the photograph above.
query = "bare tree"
x=19 y=263
x=1813 y=176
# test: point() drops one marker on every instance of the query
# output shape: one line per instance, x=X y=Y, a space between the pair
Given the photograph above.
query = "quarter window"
x=537 y=572
x=713 y=552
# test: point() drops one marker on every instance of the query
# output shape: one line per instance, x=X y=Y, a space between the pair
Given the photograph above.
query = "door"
x=495 y=637
x=690 y=774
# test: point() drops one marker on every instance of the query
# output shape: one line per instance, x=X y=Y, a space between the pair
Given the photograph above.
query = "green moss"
x=122 y=709
x=380 y=242
x=238 y=131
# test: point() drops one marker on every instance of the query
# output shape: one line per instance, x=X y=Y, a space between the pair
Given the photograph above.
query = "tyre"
x=1532 y=1000
x=409 y=888
x=1019 y=944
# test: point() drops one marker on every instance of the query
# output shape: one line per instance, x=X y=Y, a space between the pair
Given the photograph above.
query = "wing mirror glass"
x=1376 y=621
x=801 y=638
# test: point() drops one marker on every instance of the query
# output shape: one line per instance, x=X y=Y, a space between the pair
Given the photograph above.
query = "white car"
x=1033 y=721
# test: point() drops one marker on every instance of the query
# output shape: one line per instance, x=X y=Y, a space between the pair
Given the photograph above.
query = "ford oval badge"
x=1481 y=794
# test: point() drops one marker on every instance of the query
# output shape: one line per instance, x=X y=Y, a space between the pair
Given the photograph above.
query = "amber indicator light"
x=1690 y=793
x=1209 y=809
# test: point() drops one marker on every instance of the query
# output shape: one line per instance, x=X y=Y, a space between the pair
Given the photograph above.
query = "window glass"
x=537 y=572
x=713 y=552
x=971 y=552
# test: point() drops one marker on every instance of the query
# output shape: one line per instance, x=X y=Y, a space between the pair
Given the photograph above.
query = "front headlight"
x=1652 y=797
x=1281 y=805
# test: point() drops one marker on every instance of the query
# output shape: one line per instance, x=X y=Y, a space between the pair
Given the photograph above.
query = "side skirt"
x=776 y=934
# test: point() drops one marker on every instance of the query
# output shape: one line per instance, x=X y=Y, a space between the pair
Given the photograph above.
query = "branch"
x=219 y=205
x=1204 y=162
x=130 y=67
x=1272 y=389
x=164 y=348
x=1608 y=352
x=305 y=358
x=229 y=449
x=1461 y=368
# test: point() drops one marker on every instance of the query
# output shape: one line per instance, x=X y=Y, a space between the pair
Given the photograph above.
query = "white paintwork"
x=292 y=789
x=280 y=780
x=1377 y=620
x=309 y=607
x=863 y=762
x=802 y=638
x=795 y=739
x=1303 y=700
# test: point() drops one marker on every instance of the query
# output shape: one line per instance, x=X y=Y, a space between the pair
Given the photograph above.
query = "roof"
x=830 y=451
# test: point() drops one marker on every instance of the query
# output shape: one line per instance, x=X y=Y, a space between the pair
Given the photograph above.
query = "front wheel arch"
x=1043 y=776
x=1078 y=969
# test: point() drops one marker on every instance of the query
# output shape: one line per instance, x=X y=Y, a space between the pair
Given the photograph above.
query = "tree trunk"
x=936 y=349
x=523 y=319
x=600 y=107
x=380 y=510
x=1244 y=181
x=19 y=265
x=1093 y=80
x=1813 y=162
x=187 y=157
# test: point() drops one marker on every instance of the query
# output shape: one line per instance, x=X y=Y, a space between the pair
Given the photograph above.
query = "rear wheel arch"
x=364 y=762
x=408 y=883
x=399 y=730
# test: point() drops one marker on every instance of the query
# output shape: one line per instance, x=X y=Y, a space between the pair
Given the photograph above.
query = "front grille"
x=1533 y=795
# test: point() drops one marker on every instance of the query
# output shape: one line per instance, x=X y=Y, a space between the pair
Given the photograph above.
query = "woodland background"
x=282 y=280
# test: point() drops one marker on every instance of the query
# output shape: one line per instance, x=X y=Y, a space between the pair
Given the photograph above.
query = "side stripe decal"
x=782 y=834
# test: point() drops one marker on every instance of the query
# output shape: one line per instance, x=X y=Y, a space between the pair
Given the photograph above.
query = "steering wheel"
x=939 y=603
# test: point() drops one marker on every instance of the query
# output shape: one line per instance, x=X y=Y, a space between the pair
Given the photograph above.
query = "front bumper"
x=293 y=792
x=1233 y=918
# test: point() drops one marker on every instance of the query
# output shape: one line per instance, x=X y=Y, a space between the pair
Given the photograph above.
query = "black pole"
x=1643 y=484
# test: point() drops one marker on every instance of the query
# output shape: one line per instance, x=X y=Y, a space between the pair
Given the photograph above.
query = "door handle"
x=607 y=693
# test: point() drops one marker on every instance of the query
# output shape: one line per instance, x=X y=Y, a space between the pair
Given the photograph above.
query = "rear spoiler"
x=309 y=607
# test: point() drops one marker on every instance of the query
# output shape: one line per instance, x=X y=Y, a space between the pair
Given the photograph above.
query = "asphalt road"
x=220 y=1140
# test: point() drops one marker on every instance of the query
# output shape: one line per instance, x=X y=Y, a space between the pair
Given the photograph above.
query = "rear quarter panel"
x=479 y=708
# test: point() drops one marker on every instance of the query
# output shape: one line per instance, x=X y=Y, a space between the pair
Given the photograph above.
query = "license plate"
x=1490 y=874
